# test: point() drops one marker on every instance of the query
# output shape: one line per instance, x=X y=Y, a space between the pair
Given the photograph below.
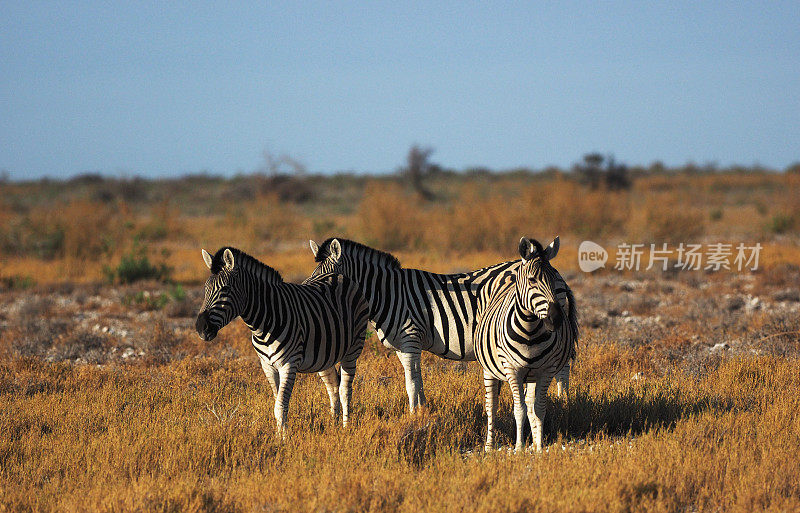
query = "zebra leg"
x=331 y=379
x=272 y=376
x=517 y=386
x=346 y=390
x=413 y=370
x=348 y=368
x=536 y=400
x=562 y=380
x=287 y=376
x=492 y=387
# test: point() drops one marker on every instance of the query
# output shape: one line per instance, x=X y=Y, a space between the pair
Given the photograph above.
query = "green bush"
x=16 y=282
x=136 y=266
x=781 y=223
x=155 y=300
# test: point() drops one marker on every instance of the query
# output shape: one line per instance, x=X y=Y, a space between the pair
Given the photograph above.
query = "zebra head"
x=221 y=303
x=330 y=260
x=540 y=288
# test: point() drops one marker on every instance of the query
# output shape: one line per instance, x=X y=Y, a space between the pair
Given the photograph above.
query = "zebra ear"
x=336 y=249
x=207 y=258
x=227 y=257
x=551 y=251
x=314 y=247
x=526 y=249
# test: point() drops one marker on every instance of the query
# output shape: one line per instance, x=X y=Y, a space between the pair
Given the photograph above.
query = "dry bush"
x=274 y=221
x=389 y=218
x=589 y=213
x=671 y=220
x=778 y=275
x=480 y=221
x=80 y=345
x=74 y=231
x=774 y=333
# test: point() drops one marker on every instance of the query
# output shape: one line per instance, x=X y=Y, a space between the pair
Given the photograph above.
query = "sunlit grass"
x=198 y=434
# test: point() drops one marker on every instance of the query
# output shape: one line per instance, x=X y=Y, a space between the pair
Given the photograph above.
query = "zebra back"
x=440 y=309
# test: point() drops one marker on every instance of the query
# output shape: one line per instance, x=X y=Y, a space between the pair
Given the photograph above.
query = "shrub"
x=389 y=218
x=146 y=300
x=671 y=220
x=136 y=266
x=781 y=223
x=271 y=219
x=16 y=282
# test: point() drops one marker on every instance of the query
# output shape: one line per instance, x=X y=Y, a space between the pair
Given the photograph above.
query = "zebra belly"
x=495 y=367
x=445 y=335
x=313 y=362
x=307 y=361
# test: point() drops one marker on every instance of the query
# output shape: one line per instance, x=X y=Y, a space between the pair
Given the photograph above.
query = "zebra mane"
x=572 y=318
x=348 y=245
x=242 y=258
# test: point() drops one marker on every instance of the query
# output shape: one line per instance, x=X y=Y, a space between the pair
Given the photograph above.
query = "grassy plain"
x=684 y=396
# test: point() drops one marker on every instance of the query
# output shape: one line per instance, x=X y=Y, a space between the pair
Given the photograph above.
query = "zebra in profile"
x=296 y=328
x=414 y=310
x=526 y=335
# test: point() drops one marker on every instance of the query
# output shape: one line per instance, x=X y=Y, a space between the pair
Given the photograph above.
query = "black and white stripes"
x=526 y=336
x=295 y=328
x=413 y=310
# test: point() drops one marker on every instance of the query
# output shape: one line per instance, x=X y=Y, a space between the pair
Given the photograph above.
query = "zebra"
x=305 y=328
x=414 y=310
x=526 y=335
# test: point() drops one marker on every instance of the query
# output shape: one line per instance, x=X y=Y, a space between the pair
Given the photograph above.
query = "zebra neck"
x=524 y=326
x=382 y=288
x=260 y=305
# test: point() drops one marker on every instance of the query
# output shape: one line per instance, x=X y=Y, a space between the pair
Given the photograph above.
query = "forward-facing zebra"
x=296 y=328
x=414 y=310
x=526 y=335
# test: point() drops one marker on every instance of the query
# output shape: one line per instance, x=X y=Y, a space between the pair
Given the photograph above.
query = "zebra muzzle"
x=554 y=316
x=204 y=328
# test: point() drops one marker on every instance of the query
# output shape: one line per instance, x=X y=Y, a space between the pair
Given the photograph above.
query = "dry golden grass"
x=198 y=435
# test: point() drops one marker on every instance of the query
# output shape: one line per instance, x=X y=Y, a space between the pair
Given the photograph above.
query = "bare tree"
x=281 y=165
x=285 y=176
x=418 y=168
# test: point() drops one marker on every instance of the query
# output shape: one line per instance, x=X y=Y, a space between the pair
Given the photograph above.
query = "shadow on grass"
x=620 y=413
x=628 y=413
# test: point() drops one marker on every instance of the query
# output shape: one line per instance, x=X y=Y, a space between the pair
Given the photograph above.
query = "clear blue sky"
x=168 y=88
